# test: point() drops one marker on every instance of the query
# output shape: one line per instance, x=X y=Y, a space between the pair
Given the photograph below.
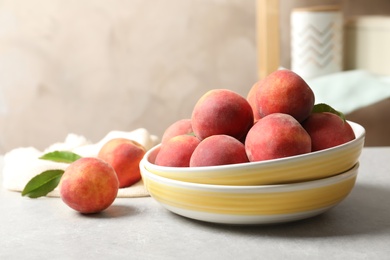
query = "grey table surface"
x=139 y=228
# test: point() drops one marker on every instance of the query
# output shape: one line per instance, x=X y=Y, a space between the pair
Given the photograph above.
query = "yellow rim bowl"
x=262 y=204
x=305 y=167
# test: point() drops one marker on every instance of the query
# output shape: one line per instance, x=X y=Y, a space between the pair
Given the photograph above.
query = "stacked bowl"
x=265 y=192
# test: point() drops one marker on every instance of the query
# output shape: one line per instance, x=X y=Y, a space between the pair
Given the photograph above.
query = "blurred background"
x=89 y=67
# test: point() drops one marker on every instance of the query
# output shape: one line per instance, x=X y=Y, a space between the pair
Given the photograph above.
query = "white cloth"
x=22 y=164
x=348 y=91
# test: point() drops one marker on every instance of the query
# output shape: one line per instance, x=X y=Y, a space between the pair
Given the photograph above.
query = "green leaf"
x=61 y=156
x=322 y=107
x=42 y=184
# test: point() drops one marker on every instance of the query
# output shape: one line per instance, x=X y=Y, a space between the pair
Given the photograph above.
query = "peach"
x=276 y=136
x=284 y=91
x=180 y=127
x=124 y=155
x=89 y=185
x=327 y=130
x=221 y=111
x=218 y=150
x=251 y=98
x=177 y=151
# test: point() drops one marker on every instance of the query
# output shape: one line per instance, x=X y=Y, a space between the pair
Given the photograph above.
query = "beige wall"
x=88 y=67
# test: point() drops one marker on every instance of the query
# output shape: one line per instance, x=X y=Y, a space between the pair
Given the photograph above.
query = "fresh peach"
x=284 y=91
x=276 y=136
x=124 y=155
x=251 y=98
x=221 y=111
x=89 y=185
x=327 y=130
x=218 y=150
x=177 y=151
x=180 y=127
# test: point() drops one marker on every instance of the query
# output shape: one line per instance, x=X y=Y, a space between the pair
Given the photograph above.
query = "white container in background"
x=367 y=44
x=316 y=41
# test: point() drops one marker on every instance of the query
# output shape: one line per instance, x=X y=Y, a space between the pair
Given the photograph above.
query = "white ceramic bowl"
x=262 y=204
x=311 y=166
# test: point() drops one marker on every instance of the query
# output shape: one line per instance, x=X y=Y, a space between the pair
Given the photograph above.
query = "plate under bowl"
x=264 y=204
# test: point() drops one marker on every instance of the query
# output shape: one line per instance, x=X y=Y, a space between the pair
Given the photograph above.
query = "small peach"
x=327 y=130
x=276 y=136
x=89 y=185
x=251 y=98
x=124 y=155
x=221 y=111
x=180 y=127
x=177 y=151
x=218 y=150
x=284 y=91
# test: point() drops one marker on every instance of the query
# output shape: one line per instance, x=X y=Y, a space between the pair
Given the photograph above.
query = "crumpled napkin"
x=348 y=91
x=22 y=164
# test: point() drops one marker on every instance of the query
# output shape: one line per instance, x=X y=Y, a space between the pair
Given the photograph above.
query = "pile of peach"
x=275 y=120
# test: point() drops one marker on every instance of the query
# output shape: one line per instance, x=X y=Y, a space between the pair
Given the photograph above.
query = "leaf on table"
x=42 y=184
x=322 y=107
x=61 y=156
